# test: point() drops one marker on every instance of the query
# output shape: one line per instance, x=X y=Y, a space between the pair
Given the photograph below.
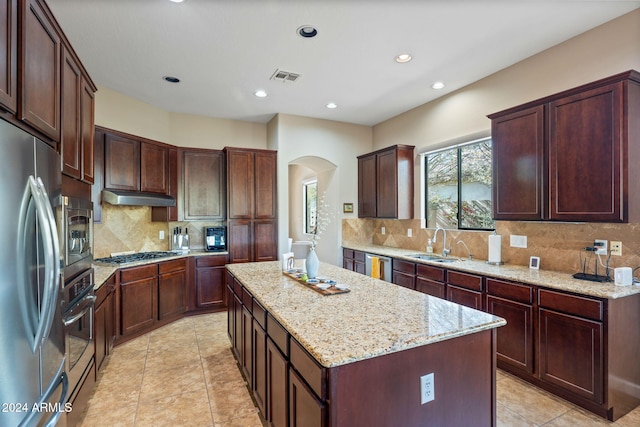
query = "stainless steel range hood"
x=131 y=198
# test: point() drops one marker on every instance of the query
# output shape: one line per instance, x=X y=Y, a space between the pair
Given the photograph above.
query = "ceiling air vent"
x=285 y=76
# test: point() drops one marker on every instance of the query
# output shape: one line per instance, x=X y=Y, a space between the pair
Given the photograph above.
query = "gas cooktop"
x=139 y=256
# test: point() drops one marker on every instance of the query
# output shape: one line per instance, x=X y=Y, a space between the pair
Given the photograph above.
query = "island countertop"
x=373 y=319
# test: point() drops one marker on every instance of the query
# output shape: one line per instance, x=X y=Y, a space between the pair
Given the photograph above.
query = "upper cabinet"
x=385 y=183
x=204 y=185
x=9 y=55
x=570 y=156
x=39 y=104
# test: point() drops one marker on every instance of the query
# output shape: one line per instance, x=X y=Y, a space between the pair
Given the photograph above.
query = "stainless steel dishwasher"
x=380 y=269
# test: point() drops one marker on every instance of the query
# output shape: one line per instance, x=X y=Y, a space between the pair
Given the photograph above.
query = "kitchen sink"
x=433 y=258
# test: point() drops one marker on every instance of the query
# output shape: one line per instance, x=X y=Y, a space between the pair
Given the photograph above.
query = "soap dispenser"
x=429 y=247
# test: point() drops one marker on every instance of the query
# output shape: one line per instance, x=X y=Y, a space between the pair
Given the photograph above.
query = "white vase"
x=312 y=264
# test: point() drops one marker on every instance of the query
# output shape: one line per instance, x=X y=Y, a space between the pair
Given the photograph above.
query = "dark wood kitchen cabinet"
x=121 y=163
x=252 y=205
x=465 y=289
x=138 y=299
x=9 y=55
x=354 y=260
x=204 y=185
x=154 y=168
x=430 y=280
x=514 y=303
x=259 y=356
x=76 y=142
x=170 y=213
x=566 y=157
x=404 y=273
x=385 y=183
x=305 y=409
x=172 y=279
x=104 y=325
x=208 y=288
x=39 y=57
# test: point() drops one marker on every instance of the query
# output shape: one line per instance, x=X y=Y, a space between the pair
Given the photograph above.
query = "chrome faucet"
x=460 y=242
x=445 y=251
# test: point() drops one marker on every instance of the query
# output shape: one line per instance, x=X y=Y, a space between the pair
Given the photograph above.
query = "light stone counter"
x=547 y=279
x=102 y=271
x=374 y=319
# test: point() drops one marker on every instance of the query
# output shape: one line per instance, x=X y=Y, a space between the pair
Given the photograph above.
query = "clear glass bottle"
x=429 y=247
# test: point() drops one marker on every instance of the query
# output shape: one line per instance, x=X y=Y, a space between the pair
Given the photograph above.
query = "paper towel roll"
x=495 y=249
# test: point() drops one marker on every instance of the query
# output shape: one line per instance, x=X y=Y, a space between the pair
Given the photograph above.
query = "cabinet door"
x=122 y=163
x=367 y=199
x=87 y=121
x=110 y=320
x=240 y=239
x=154 y=168
x=210 y=287
x=465 y=297
x=171 y=294
x=518 y=165
x=404 y=279
x=230 y=314
x=99 y=335
x=359 y=267
x=204 y=185
x=240 y=172
x=387 y=185
x=347 y=264
x=9 y=55
x=571 y=353
x=430 y=287
x=277 y=387
x=266 y=186
x=585 y=156
x=246 y=361
x=259 y=359
x=265 y=240
x=237 y=323
x=305 y=409
x=71 y=148
x=515 y=339
x=40 y=67
x=139 y=305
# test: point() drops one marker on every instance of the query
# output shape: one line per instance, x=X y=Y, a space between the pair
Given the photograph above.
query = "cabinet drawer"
x=260 y=314
x=347 y=253
x=510 y=291
x=313 y=374
x=137 y=273
x=430 y=272
x=211 y=261
x=173 y=265
x=103 y=291
x=571 y=304
x=278 y=335
x=247 y=299
x=404 y=266
x=359 y=256
x=237 y=288
x=464 y=280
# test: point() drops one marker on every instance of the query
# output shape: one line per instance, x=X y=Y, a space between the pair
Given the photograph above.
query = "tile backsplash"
x=559 y=245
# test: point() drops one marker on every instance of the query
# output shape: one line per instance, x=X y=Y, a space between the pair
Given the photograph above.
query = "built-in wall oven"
x=78 y=324
x=76 y=235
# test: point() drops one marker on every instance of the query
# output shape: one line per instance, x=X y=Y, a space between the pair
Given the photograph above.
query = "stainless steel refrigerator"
x=33 y=385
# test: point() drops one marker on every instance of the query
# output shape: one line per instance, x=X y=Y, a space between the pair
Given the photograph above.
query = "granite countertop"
x=517 y=273
x=373 y=319
x=102 y=271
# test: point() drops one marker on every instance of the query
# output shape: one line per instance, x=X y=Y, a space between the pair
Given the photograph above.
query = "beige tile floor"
x=184 y=374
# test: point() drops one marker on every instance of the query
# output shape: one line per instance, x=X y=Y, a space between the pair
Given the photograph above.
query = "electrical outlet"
x=427 y=388
x=616 y=248
x=409 y=232
x=601 y=246
x=516 y=241
x=383 y=231
x=161 y=235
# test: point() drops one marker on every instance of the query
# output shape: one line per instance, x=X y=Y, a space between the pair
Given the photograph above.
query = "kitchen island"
x=362 y=357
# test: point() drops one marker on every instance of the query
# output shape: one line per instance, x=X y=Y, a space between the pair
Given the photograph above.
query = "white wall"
x=609 y=49
x=339 y=143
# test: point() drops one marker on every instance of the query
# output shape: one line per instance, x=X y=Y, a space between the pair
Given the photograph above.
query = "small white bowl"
x=341 y=286
x=313 y=281
x=323 y=286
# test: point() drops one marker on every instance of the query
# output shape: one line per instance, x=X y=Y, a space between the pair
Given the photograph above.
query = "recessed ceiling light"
x=332 y=105
x=177 y=1
x=260 y=93
x=403 y=57
x=437 y=85
x=307 y=31
x=171 y=79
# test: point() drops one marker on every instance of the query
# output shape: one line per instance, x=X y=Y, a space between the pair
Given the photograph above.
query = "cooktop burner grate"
x=140 y=256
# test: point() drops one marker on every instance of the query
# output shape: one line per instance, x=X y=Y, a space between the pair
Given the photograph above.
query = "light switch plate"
x=409 y=232
x=518 y=241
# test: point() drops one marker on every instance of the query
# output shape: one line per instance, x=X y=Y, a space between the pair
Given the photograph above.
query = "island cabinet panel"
x=404 y=273
x=9 y=55
x=309 y=369
x=238 y=327
x=305 y=409
x=259 y=360
x=172 y=286
x=277 y=413
x=246 y=354
x=513 y=302
x=472 y=382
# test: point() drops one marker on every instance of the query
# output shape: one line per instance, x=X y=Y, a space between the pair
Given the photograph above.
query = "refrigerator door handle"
x=61 y=404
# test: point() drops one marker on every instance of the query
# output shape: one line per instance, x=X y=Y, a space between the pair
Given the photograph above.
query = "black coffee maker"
x=215 y=239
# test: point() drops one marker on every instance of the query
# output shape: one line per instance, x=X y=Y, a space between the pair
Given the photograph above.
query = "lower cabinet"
x=207 y=288
x=465 y=289
x=104 y=323
x=430 y=280
x=171 y=288
x=354 y=261
x=259 y=359
x=277 y=414
x=305 y=409
x=404 y=273
x=138 y=299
